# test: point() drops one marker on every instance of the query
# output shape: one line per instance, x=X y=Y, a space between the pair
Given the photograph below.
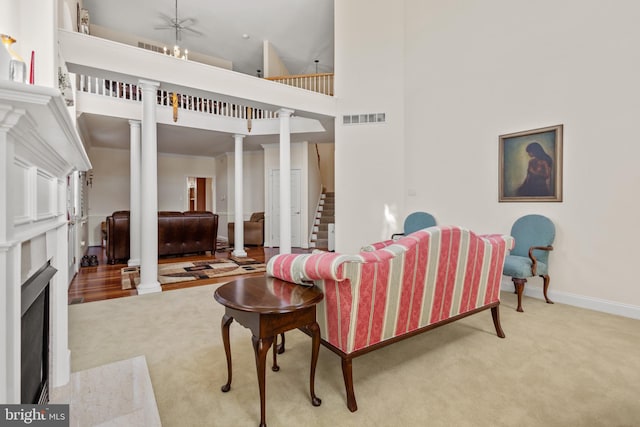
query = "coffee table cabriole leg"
x=261 y=347
x=226 y=322
x=275 y=367
x=277 y=349
x=281 y=345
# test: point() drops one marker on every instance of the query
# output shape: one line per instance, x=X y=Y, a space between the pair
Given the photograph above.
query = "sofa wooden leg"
x=495 y=313
x=520 y=288
x=545 y=286
x=347 y=374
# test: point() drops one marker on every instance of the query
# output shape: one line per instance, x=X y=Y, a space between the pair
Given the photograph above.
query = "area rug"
x=194 y=270
x=222 y=245
x=243 y=260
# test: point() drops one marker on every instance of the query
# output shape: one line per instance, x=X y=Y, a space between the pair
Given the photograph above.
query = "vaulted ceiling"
x=301 y=31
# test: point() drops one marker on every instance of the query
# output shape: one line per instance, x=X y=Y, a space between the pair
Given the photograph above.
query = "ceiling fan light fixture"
x=178 y=25
x=177 y=52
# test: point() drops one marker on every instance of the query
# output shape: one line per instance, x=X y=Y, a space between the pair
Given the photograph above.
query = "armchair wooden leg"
x=519 y=283
x=347 y=374
x=545 y=285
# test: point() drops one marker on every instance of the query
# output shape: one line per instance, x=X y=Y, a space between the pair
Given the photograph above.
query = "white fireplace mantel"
x=39 y=148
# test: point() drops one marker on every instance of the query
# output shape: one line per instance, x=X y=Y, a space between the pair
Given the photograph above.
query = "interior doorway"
x=200 y=195
x=296 y=208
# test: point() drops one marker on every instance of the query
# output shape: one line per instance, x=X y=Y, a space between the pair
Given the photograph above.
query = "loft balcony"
x=120 y=99
x=307 y=95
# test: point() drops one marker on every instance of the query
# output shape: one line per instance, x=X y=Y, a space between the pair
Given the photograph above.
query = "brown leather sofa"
x=253 y=230
x=118 y=237
x=179 y=233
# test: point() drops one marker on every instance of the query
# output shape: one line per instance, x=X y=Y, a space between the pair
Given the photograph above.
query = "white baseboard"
x=605 y=306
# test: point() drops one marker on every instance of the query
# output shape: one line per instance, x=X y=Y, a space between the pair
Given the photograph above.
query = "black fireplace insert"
x=35 y=337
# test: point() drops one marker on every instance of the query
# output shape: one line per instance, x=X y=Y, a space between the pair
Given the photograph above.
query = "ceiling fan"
x=178 y=25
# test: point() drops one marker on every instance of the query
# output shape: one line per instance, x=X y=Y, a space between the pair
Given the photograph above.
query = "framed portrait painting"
x=531 y=165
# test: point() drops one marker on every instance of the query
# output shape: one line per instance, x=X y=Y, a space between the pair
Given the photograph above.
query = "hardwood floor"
x=104 y=281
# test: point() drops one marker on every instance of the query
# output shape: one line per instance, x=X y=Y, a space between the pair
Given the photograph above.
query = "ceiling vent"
x=152 y=47
x=359 y=119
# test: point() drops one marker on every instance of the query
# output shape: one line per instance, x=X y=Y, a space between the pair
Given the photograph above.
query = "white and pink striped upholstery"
x=394 y=287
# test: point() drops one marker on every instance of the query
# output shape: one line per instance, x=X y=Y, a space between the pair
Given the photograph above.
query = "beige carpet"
x=176 y=272
x=558 y=366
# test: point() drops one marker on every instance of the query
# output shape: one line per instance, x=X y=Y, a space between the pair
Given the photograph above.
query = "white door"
x=274 y=190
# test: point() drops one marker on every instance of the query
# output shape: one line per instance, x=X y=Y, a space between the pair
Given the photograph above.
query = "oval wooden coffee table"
x=268 y=307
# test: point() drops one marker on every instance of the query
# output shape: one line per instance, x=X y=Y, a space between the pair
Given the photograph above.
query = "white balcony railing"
x=130 y=91
x=321 y=83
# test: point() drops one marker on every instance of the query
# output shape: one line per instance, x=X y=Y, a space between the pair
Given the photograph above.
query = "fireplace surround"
x=39 y=148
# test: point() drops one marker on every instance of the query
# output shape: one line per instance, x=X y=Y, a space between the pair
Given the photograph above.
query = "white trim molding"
x=575 y=300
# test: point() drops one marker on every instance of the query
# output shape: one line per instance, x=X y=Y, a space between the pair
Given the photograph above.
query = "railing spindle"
x=320 y=82
x=122 y=90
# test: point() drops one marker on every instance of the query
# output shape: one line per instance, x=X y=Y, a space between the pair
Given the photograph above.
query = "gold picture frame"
x=531 y=165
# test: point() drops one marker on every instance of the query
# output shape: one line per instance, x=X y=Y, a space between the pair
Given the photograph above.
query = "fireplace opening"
x=34 y=356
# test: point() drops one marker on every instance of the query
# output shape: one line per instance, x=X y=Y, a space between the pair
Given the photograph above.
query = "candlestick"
x=32 y=70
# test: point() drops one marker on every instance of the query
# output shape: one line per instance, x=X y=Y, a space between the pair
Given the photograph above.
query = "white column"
x=135 y=206
x=238 y=231
x=149 y=191
x=285 y=180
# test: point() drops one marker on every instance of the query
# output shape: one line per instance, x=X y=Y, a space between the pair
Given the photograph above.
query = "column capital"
x=285 y=112
x=135 y=123
x=238 y=135
x=148 y=84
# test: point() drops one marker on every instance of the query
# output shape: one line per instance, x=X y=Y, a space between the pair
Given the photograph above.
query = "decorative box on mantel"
x=39 y=148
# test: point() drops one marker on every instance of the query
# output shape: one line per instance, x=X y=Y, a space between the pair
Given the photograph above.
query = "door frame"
x=213 y=190
x=270 y=218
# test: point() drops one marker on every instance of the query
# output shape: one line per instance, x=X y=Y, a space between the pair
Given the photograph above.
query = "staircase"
x=324 y=216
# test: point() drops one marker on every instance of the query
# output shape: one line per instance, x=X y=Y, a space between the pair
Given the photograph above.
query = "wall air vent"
x=152 y=47
x=359 y=119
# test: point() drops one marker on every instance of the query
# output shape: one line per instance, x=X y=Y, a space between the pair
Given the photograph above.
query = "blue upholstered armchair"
x=416 y=221
x=534 y=235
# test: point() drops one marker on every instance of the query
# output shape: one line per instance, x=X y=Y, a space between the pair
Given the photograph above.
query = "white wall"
x=369 y=158
x=222 y=194
x=33 y=24
x=132 y=40
x=10 y=17
x=476 y=70
x=327 y=165
x=252 y=184
x=272 y=65
x=173 y=171
x=110 y=190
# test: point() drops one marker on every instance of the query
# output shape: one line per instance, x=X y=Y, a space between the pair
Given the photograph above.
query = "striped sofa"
x=396 y=289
